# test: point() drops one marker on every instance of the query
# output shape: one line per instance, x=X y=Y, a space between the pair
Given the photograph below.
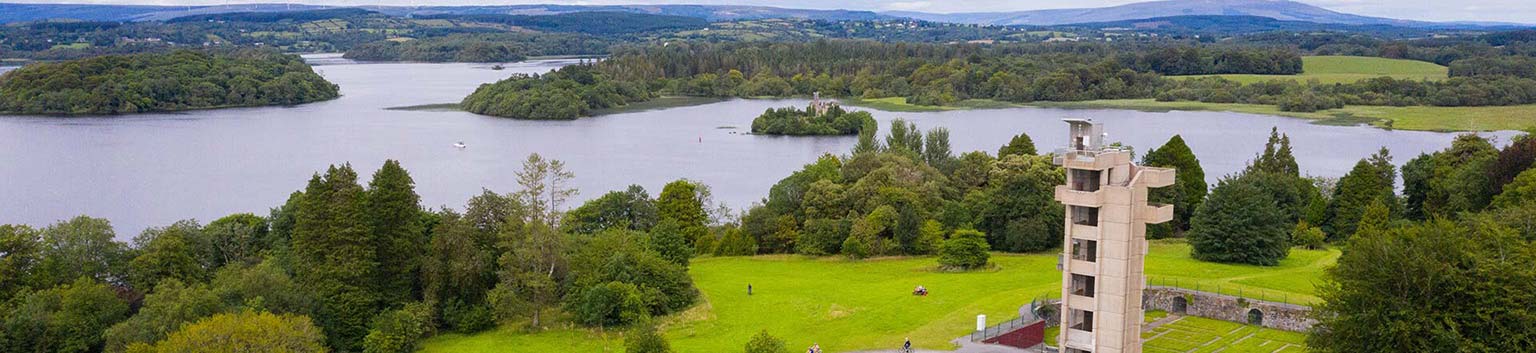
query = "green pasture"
x=1347 y=69
x=860 y=305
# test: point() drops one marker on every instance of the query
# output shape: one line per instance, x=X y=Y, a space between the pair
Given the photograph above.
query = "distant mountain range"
x=121 y=13
x=1281 y=10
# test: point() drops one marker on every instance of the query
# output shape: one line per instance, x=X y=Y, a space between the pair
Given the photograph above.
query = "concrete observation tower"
x=1106 y=241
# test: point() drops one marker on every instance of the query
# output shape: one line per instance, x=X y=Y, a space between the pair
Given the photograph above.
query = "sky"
x=1523 y=11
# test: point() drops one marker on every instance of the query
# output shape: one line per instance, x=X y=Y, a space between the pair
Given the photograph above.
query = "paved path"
x=966 y=346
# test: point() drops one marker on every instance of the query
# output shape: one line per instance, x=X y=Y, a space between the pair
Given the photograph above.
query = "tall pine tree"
x=394 y=217
x=1189 y=187
x=1277 y=157
x=334 y=250
x=1371 y=181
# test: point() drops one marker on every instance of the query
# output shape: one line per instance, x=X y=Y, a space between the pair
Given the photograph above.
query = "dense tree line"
x=347 y=267
x=180 y=80
x=1443 y=50
x=929 y=74
x=1289 y=95
x=610 y=23
x=1464 y=232
x=568 y=93
x=925 y=74
x=499 y=47
x=794 y=121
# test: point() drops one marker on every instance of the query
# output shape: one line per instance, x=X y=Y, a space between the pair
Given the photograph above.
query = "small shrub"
x=1308 y=236
x=609 y=304
x=763 y=342
x=966 y=250
x=644 y=339
x=855 y=248
x=397 y=331
x=467 y=318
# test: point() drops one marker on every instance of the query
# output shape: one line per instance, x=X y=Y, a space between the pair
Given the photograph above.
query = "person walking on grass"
x=907 y=347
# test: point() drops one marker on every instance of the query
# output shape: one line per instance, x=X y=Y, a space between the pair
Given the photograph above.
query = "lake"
x=154 y=169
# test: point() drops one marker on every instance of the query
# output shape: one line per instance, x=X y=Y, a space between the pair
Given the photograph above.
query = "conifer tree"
x=1277 y=157
x=1240 y=223
x=867 y=142
x=905 y=137
x=394 y=217
x=1371 y=181
x=1189 y=187
x=936 y=149
x=335 y=250
x=1020 y=144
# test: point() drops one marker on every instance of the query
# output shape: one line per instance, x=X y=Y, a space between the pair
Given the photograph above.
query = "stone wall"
x=1289 y=317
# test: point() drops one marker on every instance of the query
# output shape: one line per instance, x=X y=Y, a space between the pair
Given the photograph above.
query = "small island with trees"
x=565 y=94
x=820 y=118
x=170 y=81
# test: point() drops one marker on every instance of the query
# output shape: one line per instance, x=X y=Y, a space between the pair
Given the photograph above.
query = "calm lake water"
x=151 y=170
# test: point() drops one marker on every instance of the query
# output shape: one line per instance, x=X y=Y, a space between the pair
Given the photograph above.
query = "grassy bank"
x=656 y=103
x=899 y=104
x=856 y=305
x=1422 y=118
x=1347 y=69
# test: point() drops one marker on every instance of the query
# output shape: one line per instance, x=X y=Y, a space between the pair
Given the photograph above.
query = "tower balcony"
x=1066 y=195
x=1154 y=214
x=1155 y=177
x=1101 y=159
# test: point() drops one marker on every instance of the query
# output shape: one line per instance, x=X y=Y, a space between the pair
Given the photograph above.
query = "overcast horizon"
x=1520 y=11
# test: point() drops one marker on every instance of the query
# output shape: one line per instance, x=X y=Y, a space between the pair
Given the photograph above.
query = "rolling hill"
x=1217 y=25
x=1277 y=9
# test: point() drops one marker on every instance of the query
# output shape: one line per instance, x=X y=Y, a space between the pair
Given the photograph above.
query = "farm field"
x=1347 y=69
x=1421 y=118
x=858 y=305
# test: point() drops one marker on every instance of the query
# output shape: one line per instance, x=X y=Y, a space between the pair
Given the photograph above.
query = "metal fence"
x=998 y=330
x=1229 y=290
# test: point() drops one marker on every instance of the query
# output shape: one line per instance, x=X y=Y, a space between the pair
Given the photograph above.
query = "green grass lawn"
x=1347 y=69
x=856 y=305
x=1202 y=335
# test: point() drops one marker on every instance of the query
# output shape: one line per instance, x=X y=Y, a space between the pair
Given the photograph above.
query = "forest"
x=180 y=80
x=595 y=23
x=793 y=121
x=941 y=75
x=481 y=48
x=926 y=74
x=347 y=265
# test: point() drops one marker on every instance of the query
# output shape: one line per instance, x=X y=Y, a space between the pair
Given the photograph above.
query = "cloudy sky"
x=1523 y=11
